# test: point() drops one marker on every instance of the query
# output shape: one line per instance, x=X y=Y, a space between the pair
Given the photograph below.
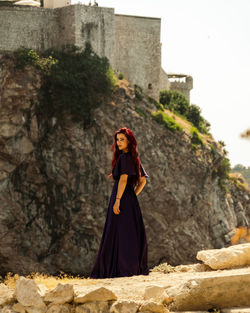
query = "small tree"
x=174 y=101
x=194 y=115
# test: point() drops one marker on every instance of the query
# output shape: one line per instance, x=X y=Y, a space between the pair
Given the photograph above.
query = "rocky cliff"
x=54 y=190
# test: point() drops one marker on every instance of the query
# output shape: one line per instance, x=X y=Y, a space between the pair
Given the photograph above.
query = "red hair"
x=132 y=148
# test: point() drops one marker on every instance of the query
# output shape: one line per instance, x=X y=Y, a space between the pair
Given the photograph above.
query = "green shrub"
x=120 y=76
x=25 y=56
x=213 y=150
x=196 y=139
x=176 y=102
x=223 y=171
x=157 y=104
x=194 y=116
x=75 y=81
x=166 y=120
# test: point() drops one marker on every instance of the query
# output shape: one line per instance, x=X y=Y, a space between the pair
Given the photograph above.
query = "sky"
x=209 y=40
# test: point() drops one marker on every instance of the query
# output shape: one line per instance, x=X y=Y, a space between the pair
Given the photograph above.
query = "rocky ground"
x=185 y=288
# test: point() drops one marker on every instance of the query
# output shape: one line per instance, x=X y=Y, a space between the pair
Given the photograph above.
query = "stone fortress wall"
x=32 y=27
x=138 y=50
x=131 y=43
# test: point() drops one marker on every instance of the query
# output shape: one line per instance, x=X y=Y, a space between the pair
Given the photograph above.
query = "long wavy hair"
x=132 y=148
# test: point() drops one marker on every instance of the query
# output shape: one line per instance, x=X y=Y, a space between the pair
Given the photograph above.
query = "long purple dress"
x=123 y=250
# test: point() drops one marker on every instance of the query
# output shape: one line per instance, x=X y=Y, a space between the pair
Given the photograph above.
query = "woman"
x=123 y=250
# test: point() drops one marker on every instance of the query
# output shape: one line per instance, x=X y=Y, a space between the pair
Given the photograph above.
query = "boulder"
x=225 y=258
x=28 y=293
x=63 y=293
x=83 y=295
x=224 y=291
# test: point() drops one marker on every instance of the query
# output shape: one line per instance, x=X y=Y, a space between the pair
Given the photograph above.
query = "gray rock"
x=54 y=190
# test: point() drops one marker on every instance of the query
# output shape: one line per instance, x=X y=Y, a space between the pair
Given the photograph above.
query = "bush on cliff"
x=177 y=103
x=166 y=120
x=174 y=101
x=75 y=81
x=196 y=139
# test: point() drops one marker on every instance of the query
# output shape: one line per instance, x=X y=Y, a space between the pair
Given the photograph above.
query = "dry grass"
x=48 y=281
x=164 y=268
x=186 y=125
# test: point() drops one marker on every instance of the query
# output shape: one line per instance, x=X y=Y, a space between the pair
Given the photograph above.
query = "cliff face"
x=54 y=192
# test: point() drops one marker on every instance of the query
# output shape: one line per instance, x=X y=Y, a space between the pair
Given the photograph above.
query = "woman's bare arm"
x=121 y=185
x=120 y=189
x=140 y=185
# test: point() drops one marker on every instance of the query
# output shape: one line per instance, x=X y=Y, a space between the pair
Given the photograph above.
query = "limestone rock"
x=95 y=306
x=59 y=308
x=83 y=295
x=63 y=293
x=233 y=256
x=153 y=307
x=124 y=306
x=153 y=292
x=6 y=295
x=222 y=291
x=28 y=293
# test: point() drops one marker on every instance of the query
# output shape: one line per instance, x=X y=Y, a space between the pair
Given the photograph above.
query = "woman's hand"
x=116 y=206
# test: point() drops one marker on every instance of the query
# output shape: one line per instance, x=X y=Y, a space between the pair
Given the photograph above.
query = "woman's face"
x=122 y=142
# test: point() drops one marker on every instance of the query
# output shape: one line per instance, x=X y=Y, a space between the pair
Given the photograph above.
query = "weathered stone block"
x=28 y=293
x=61 y=294
x=233 y=256
x=97 y=294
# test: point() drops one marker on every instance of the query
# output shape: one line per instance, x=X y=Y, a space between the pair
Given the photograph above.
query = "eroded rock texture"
x=54 y=190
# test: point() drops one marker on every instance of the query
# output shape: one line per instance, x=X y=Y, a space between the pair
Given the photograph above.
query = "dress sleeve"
x=126 y=165
x=143 y=172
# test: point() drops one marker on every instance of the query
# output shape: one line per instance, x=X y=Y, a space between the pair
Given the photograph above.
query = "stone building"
x=131 y=43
